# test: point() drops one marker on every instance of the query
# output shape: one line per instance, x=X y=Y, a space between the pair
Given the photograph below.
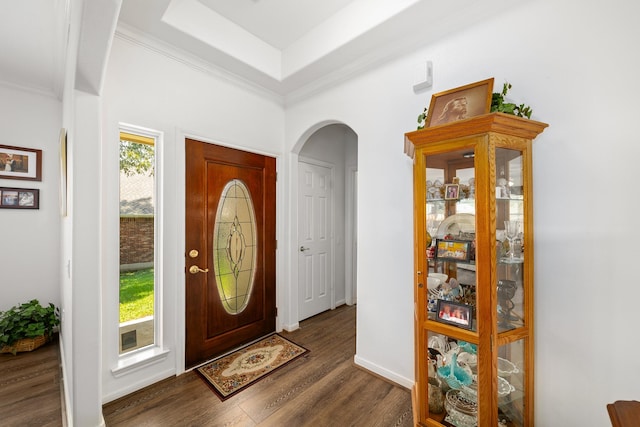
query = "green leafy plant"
x=28 y=320
x=498 y=105
x=421 y=118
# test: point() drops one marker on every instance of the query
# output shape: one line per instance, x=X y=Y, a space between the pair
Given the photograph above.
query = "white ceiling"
x=31 y=42
x=278 y=22
x=280 y=46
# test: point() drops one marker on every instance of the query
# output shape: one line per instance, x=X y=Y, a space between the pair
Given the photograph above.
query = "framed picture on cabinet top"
x=460 y=103
x=455 y=313
x=453 y=250
x=451 y=191
x=19 y=198
x=20 y=163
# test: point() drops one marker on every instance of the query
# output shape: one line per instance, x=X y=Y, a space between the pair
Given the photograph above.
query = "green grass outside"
x=136 y=294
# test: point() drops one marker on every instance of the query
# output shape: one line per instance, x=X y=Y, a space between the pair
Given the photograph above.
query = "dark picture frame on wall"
x=20 y=163
x=460 y=103
x=19 y=198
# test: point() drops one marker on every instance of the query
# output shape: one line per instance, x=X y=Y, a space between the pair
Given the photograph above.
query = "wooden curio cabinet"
x=474 y=272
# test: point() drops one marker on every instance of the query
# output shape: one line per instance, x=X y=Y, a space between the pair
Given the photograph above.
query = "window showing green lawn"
x=136 y=294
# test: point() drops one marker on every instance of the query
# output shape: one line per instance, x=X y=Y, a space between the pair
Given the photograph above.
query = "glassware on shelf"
x=506 y=367
x=472 y=188
x=512 y=230
x=502 y=191
x=453 y=374
x=506 y=292
x=504 y=388
x=461 y=411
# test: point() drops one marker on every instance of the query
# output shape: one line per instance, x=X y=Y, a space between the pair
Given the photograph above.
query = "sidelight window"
x=138 y=225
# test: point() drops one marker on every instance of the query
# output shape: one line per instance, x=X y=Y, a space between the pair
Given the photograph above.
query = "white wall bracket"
x=423 y=76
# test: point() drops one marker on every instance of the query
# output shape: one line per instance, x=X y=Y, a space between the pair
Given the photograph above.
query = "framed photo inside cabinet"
x=460 y=103
x=19 y=198
x=20 y=163
x=453 y=250
x=451 y=191
x=454 y=313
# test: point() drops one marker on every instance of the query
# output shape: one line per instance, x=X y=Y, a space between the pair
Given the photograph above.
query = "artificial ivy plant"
x=27 y=320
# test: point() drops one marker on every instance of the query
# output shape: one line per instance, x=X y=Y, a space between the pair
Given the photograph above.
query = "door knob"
x=302 y=249
x=194 y=269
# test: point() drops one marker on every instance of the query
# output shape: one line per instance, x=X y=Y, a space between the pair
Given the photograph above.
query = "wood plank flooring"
x=322 y=388
x=30 y=388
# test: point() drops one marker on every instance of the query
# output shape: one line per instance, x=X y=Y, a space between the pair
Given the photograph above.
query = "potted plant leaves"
x=27 y=326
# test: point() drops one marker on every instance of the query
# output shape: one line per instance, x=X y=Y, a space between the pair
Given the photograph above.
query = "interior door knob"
x=302 y=249
x=194 y=269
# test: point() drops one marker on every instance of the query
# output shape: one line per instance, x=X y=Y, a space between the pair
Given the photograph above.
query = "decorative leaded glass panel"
x=234 y=246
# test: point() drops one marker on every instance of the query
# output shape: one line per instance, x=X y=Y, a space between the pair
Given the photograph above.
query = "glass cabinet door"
x=450 y=222
x=451 y=287
x=510 y=228
x=511 y=294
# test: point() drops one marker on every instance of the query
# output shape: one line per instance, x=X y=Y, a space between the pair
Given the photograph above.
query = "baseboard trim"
x=383 y=372
x=64 y=390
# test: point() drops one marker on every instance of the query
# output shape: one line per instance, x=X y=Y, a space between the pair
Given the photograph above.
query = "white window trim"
x=135 y=360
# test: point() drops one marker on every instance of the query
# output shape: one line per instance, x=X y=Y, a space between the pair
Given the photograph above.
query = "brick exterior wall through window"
x=136 y=240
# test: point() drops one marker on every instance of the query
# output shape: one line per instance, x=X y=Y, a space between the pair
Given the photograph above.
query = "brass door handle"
x=194 y=269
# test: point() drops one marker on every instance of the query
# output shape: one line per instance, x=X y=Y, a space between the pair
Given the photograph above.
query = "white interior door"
x=315 y=258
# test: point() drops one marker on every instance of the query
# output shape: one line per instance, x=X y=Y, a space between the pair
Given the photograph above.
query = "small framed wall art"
x=19 y=198
x=20 y=163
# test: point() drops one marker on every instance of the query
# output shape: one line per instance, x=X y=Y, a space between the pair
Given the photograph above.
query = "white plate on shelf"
x=456 y=224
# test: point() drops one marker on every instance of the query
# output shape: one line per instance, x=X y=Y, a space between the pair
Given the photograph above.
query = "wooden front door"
x=230 y=249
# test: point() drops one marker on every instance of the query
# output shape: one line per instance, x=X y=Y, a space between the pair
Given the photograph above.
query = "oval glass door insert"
x=234 y=247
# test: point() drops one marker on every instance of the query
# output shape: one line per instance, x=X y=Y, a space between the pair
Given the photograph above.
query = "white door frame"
x=351 y=235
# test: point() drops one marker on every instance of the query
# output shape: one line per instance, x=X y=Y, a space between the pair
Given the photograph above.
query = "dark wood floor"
x=322 y=388
x=30 y=388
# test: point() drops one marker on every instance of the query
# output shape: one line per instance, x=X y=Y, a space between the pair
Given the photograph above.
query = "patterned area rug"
x=234 y=372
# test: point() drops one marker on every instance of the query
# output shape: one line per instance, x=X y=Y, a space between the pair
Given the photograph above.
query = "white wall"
x=30 y=238
x=147 y=89
x=577 y=72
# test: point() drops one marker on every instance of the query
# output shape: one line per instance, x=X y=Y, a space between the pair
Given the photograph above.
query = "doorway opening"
x=327 y=220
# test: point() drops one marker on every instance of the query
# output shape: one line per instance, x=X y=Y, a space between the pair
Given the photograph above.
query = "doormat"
x=236 y=371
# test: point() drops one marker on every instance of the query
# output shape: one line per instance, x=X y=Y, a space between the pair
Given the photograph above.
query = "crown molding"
x=35 y=90
x=129 y=34
x=300 y=92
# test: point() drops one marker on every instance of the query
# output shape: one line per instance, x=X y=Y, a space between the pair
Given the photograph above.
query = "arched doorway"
x=327 y=220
